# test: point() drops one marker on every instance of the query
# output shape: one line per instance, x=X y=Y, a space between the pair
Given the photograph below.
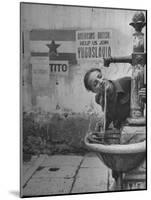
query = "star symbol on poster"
x=53 y=48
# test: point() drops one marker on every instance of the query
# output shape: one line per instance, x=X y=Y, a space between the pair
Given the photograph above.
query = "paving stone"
x=25 y=168
x=91 y=180
x=27 y=165
x=88 y=189
x=60 y=160
x=93 y=161
x=56 y=172
x=47 y=186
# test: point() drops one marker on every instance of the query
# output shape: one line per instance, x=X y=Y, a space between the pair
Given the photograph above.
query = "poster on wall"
x=93 y=44
x=82 y=132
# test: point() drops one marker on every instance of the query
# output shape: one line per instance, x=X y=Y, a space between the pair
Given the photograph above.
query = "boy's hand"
x=99 y=125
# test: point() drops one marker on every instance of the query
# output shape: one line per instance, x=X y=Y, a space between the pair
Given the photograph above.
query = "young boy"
x=117 y=94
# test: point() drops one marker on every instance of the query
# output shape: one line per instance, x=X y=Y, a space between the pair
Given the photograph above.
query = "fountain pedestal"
x=135 y=130
x=130 y=152
x=136 y=178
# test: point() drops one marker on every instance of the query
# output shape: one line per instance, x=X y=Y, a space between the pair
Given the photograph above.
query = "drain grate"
x=54 y=169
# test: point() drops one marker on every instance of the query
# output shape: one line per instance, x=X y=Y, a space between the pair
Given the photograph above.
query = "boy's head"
x=94 y=81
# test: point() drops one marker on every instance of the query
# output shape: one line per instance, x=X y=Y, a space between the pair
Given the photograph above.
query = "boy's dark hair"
x=86 y=77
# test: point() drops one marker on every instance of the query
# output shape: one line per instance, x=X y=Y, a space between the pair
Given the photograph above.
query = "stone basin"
x=119 y=157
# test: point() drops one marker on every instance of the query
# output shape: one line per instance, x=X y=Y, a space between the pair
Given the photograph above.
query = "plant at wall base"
x=52 y=133
x=34 y=136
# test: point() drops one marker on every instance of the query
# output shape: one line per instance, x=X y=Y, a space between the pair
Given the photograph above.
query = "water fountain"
x=122 y=158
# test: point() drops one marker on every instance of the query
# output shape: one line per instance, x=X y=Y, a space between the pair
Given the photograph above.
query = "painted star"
x=53 y=47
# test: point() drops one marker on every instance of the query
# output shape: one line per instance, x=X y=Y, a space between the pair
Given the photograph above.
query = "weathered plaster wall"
x=70 y=93
x=70 y=96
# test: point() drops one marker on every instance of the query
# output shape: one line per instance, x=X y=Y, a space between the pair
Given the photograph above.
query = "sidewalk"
x=66 y=174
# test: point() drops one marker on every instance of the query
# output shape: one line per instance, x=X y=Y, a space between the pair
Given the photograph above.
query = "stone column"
x=138 y=57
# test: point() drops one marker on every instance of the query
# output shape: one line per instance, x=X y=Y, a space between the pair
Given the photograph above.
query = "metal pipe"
x=125 y=59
